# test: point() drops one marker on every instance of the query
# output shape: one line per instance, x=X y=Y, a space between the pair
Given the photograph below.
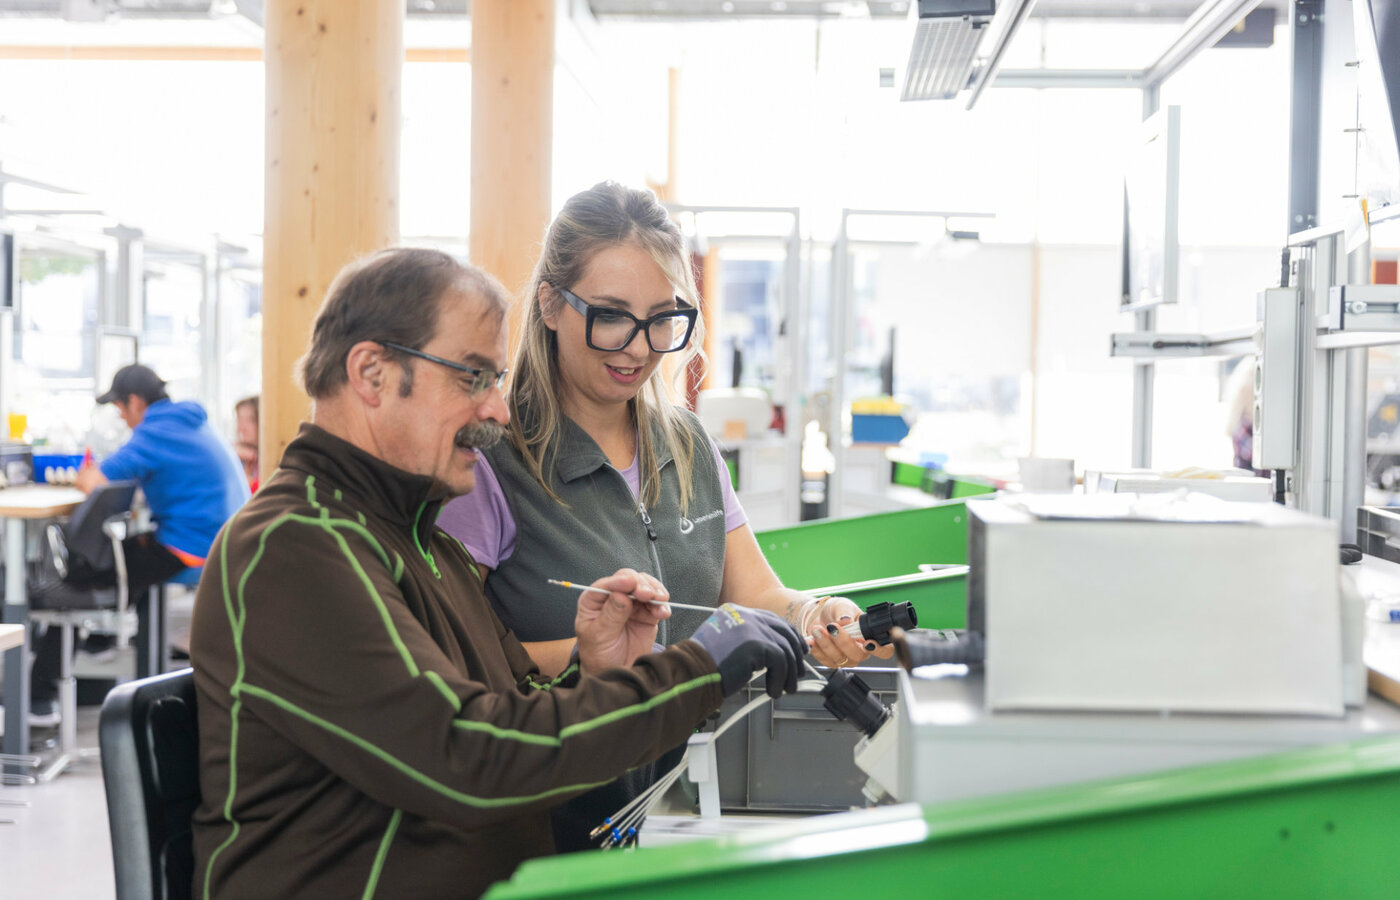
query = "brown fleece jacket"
x=367 y=725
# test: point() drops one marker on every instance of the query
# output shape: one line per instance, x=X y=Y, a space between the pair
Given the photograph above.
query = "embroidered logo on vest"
x=687 y=525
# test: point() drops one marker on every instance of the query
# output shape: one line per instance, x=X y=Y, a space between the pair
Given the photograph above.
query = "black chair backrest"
x=149 y=735
x=89 y=550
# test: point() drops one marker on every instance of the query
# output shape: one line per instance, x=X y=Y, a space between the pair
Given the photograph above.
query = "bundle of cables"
x=620 y=829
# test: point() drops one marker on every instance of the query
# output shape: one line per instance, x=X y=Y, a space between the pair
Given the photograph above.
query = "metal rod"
x=1354 y=412
x=1069 y=78
x=586 y=587
x=1354 y=428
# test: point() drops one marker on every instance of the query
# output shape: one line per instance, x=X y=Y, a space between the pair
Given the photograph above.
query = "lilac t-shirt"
x=483 y=522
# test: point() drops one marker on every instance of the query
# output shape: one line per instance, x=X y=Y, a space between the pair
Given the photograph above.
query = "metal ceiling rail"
x=11 y=178
x=1070 y=78
x=1207 y=24
x=1211 y=21
x=1020 y=9
x=926 y=213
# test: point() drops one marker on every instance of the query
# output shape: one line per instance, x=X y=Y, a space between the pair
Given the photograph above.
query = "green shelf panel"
x=838 y=551
x=964 y=488
x=907 y=474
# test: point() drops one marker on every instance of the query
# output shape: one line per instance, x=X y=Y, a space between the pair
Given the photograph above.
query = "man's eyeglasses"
x=607 y=328
x=481 y=379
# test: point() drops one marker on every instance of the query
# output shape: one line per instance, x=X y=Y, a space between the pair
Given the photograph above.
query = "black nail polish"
x=832 y=629
x=870 y=646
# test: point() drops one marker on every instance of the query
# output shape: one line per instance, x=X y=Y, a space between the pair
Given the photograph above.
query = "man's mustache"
x=481 y=436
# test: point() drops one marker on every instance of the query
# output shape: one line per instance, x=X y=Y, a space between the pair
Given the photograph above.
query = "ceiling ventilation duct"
x=946 y=37
x=944 y=58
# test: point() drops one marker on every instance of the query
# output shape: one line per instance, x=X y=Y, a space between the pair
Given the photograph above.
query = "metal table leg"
x=151 y=633
x=16 y=741
x=68 y=750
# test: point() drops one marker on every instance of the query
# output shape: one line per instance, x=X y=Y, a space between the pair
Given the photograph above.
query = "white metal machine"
x=1128 y=634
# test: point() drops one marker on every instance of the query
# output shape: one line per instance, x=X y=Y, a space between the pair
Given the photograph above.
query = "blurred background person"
x=246 y=442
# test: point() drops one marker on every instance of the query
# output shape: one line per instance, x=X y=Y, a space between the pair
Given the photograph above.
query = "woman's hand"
x=831 y=646
x=614 y=629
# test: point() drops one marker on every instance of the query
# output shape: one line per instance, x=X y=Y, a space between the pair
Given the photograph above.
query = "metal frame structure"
x=1208 y=24
x=793 y=332
x=1305 y=115
x=1339 y=315
x=1211 y=20
x=841 y=325
x=985 y=74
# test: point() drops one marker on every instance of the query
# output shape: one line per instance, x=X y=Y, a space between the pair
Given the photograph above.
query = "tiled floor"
x=59 y=847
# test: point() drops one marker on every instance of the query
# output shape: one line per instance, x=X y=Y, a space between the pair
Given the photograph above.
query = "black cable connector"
x=876 y=622
x=849 y=699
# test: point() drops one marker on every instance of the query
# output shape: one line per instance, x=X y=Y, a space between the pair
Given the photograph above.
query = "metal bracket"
x=1363 y=307
x=1163 y=345
x=703 y=770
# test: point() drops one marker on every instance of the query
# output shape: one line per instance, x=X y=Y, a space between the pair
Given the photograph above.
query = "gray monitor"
x=1150 y=210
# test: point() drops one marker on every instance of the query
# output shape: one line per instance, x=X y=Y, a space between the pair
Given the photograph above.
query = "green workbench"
x=1311 y=823
x=876 y=558
x=939 y=483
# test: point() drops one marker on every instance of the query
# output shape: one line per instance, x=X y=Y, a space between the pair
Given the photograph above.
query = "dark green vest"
x=600 y=531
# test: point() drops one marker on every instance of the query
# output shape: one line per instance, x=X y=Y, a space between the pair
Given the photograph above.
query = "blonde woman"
x=602 y=468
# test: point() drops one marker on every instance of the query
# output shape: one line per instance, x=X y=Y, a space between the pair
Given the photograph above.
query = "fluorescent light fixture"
x=946 y=35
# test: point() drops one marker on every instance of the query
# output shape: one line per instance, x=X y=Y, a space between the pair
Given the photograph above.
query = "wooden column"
x=512 y=136
x=332 y=189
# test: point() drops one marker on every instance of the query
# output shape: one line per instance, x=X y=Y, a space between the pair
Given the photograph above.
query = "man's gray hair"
x=393 y=295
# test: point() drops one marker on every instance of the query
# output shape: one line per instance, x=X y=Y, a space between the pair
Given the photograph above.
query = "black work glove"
x=742 y=641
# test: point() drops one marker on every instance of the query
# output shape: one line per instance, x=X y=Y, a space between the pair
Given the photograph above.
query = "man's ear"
x=546 y=298
x=368 y=372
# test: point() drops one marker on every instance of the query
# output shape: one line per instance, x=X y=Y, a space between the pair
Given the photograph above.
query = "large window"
x=60 y=288
x=53 y=368
x=171 y=323
x=240 y=340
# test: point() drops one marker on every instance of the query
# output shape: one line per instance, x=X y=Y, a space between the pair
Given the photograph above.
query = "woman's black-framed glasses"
x=481 y=379
x=607 y=328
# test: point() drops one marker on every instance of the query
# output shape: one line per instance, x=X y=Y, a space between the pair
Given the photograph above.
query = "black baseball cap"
x=134 y=379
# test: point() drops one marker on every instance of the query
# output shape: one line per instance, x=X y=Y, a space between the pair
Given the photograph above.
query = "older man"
x=367 y=726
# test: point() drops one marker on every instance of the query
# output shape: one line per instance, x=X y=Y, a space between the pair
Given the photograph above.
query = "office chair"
x=87 y=555
x=149 y=735
x=83 y=553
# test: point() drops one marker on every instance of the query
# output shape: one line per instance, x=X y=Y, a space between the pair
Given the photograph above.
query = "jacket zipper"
x=646 y=520
x=663 y=633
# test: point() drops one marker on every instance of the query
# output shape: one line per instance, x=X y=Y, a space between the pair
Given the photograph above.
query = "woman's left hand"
x=831 y=645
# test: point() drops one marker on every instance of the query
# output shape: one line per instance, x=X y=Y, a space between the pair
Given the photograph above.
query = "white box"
x=1141 y=481
x=950 y=747
x=1165 y=602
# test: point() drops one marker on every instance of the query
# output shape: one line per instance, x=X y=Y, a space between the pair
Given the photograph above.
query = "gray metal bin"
x=792 y=755
x=1378 y=531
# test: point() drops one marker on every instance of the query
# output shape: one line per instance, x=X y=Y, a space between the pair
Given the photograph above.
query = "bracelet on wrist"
x=811 y=613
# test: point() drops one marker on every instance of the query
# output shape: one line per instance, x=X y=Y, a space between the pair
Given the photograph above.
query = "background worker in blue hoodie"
x=193 y=484
x=192 y=481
